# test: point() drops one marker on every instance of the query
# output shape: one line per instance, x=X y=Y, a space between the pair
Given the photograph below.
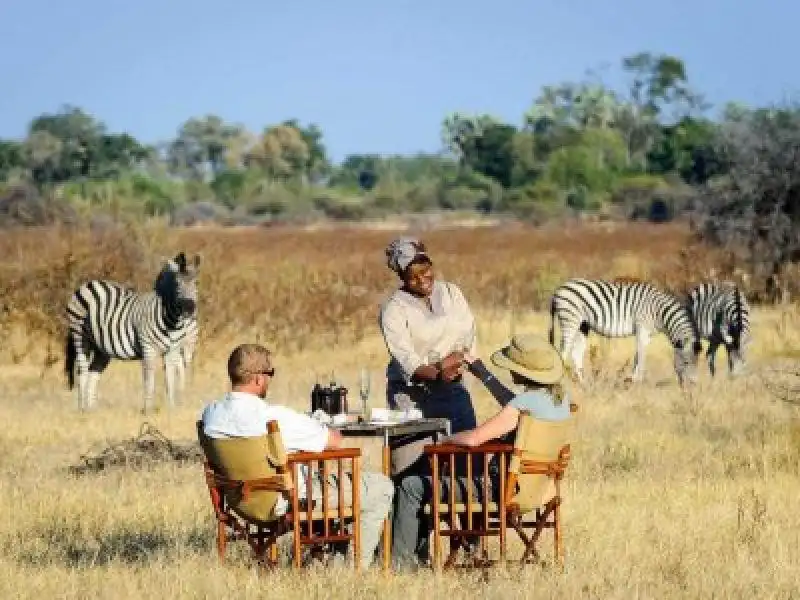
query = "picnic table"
x=383 y=439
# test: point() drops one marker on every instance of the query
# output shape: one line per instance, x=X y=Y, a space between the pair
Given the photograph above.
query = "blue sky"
x=376 y=76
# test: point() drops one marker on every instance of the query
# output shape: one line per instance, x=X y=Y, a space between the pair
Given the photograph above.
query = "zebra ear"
x=169 y=264
x=196 y=261
x=180 y=260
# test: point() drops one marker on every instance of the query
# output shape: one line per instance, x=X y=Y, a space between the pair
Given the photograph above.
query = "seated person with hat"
x=537 y=367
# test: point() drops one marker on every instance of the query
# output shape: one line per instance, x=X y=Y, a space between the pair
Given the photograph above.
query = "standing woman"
x=427 y=326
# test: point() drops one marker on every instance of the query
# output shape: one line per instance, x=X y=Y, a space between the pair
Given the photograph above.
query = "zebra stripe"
x=617 y=309
x=722 y=316
x=108 y=321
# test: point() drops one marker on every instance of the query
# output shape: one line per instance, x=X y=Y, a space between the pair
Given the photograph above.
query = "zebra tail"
x=69 y=362
x=552 y=333
x=737 y=298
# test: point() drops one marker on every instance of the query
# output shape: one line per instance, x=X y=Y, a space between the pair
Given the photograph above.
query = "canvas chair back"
x=541 y=453
x=247 y=459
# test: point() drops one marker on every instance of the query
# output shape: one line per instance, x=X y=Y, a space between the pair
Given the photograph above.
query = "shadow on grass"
x=71 y=547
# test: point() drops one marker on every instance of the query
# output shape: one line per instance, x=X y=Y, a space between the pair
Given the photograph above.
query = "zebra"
x=108 y=320
x=623 y=309
x=722 y=316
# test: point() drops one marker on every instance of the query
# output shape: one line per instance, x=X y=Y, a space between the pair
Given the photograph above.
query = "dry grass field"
x=668 y=495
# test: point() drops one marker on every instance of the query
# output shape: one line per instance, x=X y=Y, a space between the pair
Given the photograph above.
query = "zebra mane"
x=626 y=280
x=686 y=305
x=164 y=285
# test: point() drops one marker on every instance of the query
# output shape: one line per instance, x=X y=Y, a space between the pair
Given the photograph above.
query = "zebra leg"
x=173 y=374
x=711 y=356
x=187 y=353
x=82 y=366
x=578 y=344
x=149 y=358
x=642 y=340
x=98 y=365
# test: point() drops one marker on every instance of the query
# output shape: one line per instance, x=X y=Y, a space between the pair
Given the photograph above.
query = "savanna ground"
x=667 y=495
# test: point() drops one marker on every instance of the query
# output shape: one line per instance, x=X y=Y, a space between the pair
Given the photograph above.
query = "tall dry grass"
x=667 y=495
x=302 y=289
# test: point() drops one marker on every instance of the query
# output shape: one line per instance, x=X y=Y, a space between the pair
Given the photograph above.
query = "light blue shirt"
x=540 y=404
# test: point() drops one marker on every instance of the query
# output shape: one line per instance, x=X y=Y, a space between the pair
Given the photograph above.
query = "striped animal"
x=722 y=316
x=621 y=310
x=107 y=320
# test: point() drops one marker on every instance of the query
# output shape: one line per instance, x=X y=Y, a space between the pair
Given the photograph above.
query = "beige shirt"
x=416 y=335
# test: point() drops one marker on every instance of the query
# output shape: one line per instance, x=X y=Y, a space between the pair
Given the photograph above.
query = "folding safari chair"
x=248 y=476
x=526 y=495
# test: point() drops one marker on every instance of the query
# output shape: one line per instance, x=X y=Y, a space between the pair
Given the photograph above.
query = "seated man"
x=244 y=412
x=538 y=368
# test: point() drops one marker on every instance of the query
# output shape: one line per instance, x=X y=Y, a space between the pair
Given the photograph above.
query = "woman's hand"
x=469 y=358
x=453 y=366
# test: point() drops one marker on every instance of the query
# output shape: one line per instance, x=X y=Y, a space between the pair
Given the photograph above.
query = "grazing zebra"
x=108 y=320
x=621 y=310
x=722 y=316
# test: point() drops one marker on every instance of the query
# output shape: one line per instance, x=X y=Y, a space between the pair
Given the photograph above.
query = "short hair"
x=246 y=361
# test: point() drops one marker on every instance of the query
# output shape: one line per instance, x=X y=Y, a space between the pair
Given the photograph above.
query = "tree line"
x=649 y=150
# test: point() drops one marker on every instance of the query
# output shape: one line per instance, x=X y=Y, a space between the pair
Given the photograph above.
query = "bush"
x=535 y=201
x=23 y=205
x=756 y=207
x=197 y=213
x=340 y=208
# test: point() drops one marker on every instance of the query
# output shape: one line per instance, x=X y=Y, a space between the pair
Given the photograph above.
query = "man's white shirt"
x=239 y=414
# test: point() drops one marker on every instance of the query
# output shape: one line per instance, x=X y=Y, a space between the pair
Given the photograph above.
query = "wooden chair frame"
x=311 y=525
x=498 y=513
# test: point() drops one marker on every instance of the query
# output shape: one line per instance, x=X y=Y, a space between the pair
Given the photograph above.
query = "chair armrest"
x=278 y=483
x=337 y=454
x=436 y=449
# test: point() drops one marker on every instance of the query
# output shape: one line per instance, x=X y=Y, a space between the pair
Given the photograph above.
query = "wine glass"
x=363 y=389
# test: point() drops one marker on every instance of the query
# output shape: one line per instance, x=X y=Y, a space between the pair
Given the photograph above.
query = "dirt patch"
x=149 y=448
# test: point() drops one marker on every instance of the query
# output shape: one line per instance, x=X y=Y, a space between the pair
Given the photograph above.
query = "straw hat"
x=531 y=357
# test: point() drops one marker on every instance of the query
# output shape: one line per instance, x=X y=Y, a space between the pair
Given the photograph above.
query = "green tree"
x=281 y=153
x=317 y=166
x=79 y=151
x=200 y=149
x=12 y=157
x=688 y=148
x=591 y=165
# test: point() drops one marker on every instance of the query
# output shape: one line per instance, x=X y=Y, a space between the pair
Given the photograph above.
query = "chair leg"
x=557 y=541
x=273 y=550
x=455 y=545
x=221 y=540
x=296 y=542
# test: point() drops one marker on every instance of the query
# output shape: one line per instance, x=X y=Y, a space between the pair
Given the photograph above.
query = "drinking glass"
x=363 y=389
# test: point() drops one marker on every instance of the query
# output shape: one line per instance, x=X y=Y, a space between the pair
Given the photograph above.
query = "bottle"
x=316 y=394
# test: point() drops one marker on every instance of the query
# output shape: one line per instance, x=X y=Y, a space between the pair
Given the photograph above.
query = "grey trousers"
x=377 y=492
x=412 y=527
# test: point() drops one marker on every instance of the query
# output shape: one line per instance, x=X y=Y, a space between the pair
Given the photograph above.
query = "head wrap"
x=402 y=251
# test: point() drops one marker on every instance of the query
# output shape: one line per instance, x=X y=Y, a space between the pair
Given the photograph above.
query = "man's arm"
x=502 y=423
